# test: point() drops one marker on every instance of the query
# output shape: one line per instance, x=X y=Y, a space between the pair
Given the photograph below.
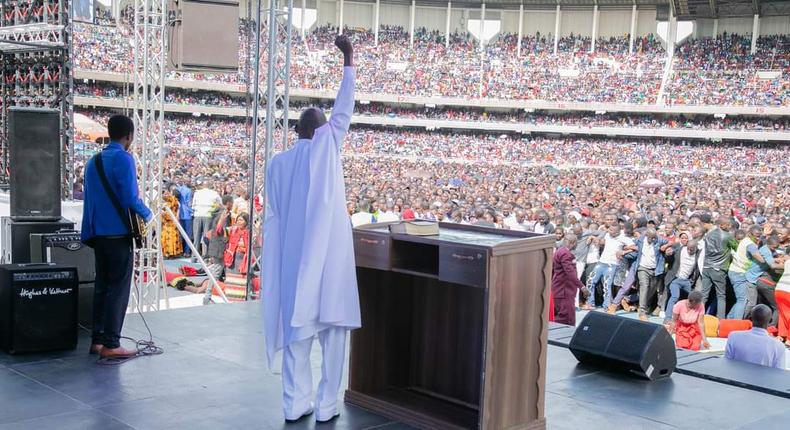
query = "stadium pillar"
x=376 y=23
x=672 y=35
x=482 y=25
x=520 y=28
x=340 y=18
x=447 y=24
x=715 y=28
x=411 y=24
x=594 y=28
x=755 y=32
x=557 y=29
x=301 y=22
x=633 y=29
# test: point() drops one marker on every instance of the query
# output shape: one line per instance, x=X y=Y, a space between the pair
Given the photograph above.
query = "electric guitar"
x=137 y=225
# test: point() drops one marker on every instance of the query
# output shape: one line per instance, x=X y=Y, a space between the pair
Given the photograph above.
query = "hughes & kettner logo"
x=29 y=294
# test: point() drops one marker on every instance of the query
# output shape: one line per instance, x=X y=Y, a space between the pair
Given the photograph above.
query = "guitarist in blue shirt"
x=107 y=228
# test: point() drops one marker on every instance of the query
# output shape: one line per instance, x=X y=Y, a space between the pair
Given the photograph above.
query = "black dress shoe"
x=329 y=420
x=305 y=415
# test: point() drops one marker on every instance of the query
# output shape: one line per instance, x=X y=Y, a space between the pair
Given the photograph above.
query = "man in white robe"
x=309 y=275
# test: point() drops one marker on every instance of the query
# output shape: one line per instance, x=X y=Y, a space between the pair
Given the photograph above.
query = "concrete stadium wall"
x=578 y=22
x=769 y=25
x=613 y=22
x=775 y=25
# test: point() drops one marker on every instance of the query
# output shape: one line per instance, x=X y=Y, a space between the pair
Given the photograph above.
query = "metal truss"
x=36 y=49
x=279 y=28
x=33 y=37
x=149 y=72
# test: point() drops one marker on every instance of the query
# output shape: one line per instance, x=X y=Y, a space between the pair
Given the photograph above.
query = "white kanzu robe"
x=309 y=275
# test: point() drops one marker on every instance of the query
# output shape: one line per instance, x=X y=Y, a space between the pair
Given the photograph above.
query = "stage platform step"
x=710 y=366
x=214 y=376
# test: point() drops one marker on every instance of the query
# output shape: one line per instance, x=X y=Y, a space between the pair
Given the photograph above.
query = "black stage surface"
x=213 y=375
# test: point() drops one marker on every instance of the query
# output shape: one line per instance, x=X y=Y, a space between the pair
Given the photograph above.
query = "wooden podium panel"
x=454 y=327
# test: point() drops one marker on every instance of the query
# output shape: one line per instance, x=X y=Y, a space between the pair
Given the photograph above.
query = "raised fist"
x=344 y=45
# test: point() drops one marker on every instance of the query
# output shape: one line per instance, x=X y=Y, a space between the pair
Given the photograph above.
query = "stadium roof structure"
x=726 y=8
x=684 y=9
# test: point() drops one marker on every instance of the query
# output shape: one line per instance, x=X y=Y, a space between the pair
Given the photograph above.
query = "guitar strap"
x=111 y=194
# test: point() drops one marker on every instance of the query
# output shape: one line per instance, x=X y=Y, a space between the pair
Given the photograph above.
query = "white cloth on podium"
x=308 y=271
x=298 y=375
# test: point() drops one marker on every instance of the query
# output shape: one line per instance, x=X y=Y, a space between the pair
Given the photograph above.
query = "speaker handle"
x=67 y=230
x=35 y=264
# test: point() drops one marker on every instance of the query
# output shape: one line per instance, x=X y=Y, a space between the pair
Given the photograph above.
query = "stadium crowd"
x=577 y=151
x=717 y=202
x=700 y=122
x=728 y=73
x=723 y=71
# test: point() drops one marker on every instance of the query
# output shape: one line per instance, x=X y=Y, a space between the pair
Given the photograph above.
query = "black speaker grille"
x=34 y=150
x=631 y=339
x=641 y=348
x=595 y=331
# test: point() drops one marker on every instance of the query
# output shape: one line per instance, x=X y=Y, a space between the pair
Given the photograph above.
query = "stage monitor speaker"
x=34 y=154
x=642 y=348
x=204 y=36
x=38 y=307
x=15 y=236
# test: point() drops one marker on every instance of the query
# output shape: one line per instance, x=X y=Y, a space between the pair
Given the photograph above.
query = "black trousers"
x=114 y=264
x=766 y=295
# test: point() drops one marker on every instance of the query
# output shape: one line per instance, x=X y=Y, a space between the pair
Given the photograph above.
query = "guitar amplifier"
x=16 y=237
x=65 y=248
x=38 y=307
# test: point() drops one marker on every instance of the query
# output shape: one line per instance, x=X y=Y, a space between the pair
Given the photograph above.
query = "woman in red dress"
x=688 y=323
x=236 y=253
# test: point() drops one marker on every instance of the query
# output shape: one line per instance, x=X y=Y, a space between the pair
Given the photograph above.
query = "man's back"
x=757 y=347
x=308 y=240
x=717 y=249
x=203 y=202
x=100 y=218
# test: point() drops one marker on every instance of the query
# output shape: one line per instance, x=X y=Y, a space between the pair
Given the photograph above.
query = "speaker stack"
x=623 y=344
x=38 y=302
x=35 y=167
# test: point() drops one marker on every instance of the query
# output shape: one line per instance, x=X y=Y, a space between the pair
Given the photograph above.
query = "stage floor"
x=213 y=375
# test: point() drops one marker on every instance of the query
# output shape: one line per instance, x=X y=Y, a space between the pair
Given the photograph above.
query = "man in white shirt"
x=518 y=221
x=363 y=215
x=615 y=245
x=241 y=204
x=204 y=202
x=650 y=269
x=683 y=270
x=389 y=214
x=544 y=226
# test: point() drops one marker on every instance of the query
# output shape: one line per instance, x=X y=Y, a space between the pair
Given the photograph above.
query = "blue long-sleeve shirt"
x=185 y=202
x=99 y=216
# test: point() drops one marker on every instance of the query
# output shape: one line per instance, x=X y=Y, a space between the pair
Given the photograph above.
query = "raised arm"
x=344 y=102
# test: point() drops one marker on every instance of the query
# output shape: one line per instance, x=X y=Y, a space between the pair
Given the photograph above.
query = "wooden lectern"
x=454 y=327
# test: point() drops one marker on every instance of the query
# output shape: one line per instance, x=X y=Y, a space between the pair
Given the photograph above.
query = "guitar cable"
x=144 y=347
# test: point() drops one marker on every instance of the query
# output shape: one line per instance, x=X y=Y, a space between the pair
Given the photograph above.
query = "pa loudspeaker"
x=642 y=348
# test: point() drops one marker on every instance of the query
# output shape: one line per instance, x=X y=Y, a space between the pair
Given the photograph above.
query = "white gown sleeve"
x=343 y=108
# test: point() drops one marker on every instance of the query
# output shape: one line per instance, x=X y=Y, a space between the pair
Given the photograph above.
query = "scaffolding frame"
x=279 y=26
x=43 y=27
x=150 y=50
